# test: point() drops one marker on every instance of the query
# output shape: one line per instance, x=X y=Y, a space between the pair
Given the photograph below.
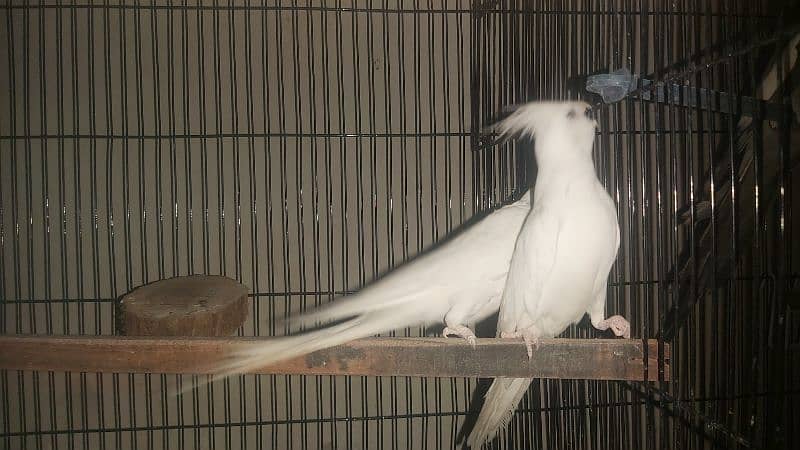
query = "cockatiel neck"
x=558 y=168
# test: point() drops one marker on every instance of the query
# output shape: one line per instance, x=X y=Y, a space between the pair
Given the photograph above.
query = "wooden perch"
x=598 y=359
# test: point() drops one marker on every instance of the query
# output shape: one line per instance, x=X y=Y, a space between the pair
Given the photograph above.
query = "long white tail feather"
x=274 y=350
x=498 y=407
x=370 y=300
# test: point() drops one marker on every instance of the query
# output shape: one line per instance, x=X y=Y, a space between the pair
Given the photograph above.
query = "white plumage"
x=459 y=282
x=564 y=251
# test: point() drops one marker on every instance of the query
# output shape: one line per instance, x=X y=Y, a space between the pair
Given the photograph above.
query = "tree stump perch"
x=197 y=305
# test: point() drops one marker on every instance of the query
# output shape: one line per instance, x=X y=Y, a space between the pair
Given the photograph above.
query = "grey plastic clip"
x=613 y=86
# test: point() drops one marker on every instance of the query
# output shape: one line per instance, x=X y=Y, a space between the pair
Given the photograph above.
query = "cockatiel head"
x=563 y=130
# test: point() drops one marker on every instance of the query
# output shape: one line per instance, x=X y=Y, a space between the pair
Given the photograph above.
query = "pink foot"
x=527 y=335
x=460 y=331
x=618 y=325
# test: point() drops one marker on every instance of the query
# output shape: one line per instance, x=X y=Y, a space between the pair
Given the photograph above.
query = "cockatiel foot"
x=461 y=331
x=618 y=325
x=531 y=340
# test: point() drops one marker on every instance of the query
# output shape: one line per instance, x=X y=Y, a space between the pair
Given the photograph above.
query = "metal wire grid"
x=304 y=148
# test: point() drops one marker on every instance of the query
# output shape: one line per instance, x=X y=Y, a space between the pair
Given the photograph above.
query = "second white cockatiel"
x=459 y=282
x=564 y=251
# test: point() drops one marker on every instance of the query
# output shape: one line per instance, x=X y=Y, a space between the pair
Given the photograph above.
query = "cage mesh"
x=304 y=147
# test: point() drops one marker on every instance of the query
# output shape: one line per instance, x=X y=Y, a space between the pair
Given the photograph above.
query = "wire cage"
x=305 y=147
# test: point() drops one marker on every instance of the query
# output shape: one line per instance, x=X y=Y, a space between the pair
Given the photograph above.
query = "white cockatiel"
x=458 y=282
x=564 y=251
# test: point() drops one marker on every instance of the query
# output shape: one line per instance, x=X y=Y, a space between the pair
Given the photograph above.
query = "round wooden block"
x=198 y=305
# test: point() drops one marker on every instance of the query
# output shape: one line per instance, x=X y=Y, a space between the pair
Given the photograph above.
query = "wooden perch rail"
x=599 y=359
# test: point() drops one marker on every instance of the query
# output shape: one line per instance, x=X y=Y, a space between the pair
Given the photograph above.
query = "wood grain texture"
x=197 y=305
x=599 y=359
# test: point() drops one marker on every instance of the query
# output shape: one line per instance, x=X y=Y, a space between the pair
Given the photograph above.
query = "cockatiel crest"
x=569 y=122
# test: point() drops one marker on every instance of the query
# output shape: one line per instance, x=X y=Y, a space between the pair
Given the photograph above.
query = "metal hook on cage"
x=612 y=87
x=615 y=86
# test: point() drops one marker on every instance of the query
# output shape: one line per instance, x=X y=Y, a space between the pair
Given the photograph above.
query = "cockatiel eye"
x=573 y=113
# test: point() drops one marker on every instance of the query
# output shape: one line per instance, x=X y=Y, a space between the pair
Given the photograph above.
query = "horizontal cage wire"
x=305 y=147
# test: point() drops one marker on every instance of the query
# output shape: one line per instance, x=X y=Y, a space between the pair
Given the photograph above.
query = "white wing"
x=533 y=261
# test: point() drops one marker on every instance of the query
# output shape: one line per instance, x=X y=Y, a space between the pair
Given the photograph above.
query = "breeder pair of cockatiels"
x=543 y=266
